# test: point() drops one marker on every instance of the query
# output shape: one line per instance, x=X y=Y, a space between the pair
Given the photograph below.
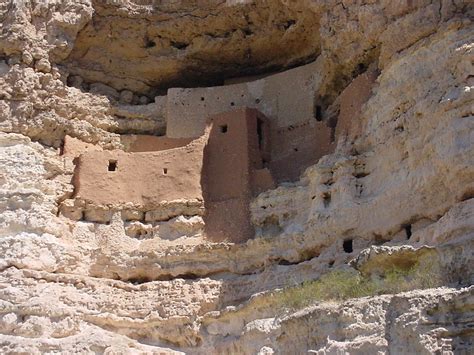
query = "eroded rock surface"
x=397 y=187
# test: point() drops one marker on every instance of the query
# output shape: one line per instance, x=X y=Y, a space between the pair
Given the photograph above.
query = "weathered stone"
x=393 y=90
x=43 y=65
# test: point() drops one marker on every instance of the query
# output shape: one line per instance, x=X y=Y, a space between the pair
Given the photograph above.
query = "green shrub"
x=343 y=284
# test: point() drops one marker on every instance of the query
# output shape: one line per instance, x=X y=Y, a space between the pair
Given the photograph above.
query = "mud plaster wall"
x=285 y=98
x=142 y=179
x=74 y=147
x=297 y=147
x=146 y=143
x=230 y=157
x=351 y=100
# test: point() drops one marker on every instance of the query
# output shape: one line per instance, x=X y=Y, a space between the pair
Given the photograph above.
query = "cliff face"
x=397 y=189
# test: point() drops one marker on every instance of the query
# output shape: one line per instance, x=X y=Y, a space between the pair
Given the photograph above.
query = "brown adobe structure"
x=220 y=171
x=233 y=172
x=236 y=155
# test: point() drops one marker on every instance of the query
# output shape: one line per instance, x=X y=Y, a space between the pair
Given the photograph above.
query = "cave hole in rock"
x=318 y=113
x=149 y=43
x=179 y=45
x=408 y=232
x=286 y=262
x=112 y=165
x=247 y=31
x=139 y=280
x=347 y=246
x=359 y=69
x=360 y=175
x=223 y=128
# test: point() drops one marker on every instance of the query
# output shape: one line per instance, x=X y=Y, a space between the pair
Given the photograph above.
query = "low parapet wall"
x=145 y=143
x=143 y=179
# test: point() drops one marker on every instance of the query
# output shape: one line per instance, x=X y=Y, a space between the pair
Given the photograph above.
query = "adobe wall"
x=74 y=147
x=142 y=179
x=226 y=157
x=146 y=143
x=285 y=98
x=351 y=100
x=231 y=157
x=297 y=147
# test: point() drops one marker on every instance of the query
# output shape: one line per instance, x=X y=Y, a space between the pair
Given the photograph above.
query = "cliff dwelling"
x=238 y=177
x=223 y=146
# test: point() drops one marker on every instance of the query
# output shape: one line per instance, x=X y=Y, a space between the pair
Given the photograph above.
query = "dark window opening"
x=318 y=113
x=149 y=43
x=202 y=98
x=295 y=149
x=260 y=133
x=232 y=104
x=407 y=230
x=165 y=171
x=361 y=67
x=223 y=128
x=112 y=165
x=347 y=246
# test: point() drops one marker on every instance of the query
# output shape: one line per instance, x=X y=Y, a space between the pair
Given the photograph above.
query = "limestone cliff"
x=394 y=86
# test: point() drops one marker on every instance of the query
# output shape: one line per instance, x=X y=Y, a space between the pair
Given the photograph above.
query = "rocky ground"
x=403 y=185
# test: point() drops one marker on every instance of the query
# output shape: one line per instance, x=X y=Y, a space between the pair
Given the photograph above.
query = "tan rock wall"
x=83 y=287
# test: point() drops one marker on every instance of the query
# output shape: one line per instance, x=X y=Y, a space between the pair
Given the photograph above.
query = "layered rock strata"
x=395 y=85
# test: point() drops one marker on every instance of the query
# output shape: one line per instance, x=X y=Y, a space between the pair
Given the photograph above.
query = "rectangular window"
x=112 y=165
x=260 y=133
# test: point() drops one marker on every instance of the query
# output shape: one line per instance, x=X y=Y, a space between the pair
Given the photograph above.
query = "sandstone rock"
x=126 y=96
x=77 y=277
x=43 y=65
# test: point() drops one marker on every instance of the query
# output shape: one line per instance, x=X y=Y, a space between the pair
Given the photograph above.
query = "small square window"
x=165 y=171
x=347 y=246
x=223 y=128
x=112 y=165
